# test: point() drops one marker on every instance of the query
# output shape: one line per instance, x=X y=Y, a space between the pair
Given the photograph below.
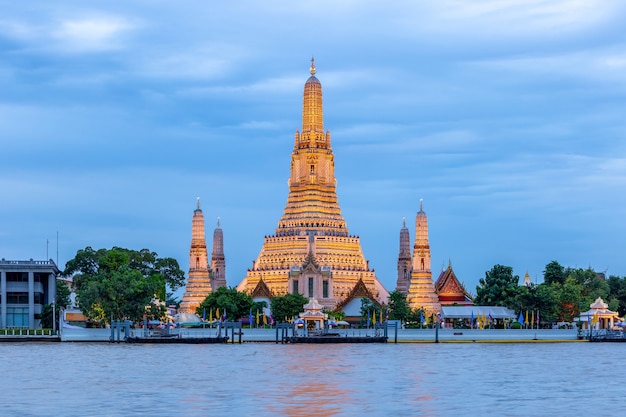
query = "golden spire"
x=312 y=69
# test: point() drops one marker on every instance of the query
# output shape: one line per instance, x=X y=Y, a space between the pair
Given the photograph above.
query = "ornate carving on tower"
x=199 y=281
x=312 y=230
x=421 y=292
x=404 y=260
x=218 y=260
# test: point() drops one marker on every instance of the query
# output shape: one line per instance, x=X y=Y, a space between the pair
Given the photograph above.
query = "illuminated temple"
x=312 y=252
x=415 y=275
x=203 y=278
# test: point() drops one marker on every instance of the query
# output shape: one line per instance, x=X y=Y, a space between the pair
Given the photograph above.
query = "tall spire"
x=312 y=231
x=312 y=113
x=199 y=280
x=421 y=292
x=312 y=201
x=404 y=259
x=218 y=260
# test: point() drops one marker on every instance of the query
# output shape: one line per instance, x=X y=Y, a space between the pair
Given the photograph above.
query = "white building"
x=25 y=287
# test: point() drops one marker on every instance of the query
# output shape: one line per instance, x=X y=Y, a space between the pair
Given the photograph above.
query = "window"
x=310 y=287
x=39 y=298
x=325 y=289
x=295 y=287
x=17 y=276
x=17 y=317
x=17 y=298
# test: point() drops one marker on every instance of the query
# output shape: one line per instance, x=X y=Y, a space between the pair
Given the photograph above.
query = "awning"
x=467 y=312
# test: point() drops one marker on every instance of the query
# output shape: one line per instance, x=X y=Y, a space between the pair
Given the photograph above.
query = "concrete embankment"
x=404 y=335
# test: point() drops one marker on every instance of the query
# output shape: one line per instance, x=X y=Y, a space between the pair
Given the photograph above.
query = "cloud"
x=89 y=32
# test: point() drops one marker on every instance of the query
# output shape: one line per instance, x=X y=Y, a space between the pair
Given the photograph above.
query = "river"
x=266 y=379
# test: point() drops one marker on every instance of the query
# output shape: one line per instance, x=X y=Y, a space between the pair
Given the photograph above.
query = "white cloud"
x=91 y=34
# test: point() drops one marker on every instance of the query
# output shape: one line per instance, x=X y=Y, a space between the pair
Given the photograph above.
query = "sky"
x=507 y=118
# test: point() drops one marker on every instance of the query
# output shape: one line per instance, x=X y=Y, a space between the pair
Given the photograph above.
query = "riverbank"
x=404 y=335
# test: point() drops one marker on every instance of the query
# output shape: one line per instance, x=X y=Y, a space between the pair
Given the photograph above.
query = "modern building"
x=25 y=287
x=312 y=251
x=203 y=278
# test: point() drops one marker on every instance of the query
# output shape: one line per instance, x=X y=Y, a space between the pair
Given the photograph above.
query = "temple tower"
x=421 y=292
x=311 y=247
x=199 y=284
x=218 y=261
x=404 y=260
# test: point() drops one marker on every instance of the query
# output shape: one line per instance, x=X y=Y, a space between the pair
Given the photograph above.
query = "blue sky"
x=507 y=118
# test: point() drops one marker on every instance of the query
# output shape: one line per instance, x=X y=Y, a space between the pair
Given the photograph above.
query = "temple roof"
x=449 y=289
x=360 y=290
x=262 y=290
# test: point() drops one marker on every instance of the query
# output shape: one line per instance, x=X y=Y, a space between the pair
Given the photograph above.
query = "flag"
x=520 y=319
x=537 y=318
x=203 y=314
x=421 y=317
x=526 y=321
x=271 y=319
x=368 y=318
x=224 y=315
x=257 y=318
x=250 y=318
x=217 y=313
x=484 y=320
x=532 y=318
x=490 y=319
x=472 y=320
x=380 y=316
x=387 y=316
x=264 y=319
x=211 y=315
x=595 y=318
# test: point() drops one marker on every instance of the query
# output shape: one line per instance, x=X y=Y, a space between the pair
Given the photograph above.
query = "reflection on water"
x=299 y=380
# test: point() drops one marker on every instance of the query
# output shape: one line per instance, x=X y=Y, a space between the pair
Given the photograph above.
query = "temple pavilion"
x=598 y=316
x=312 y=251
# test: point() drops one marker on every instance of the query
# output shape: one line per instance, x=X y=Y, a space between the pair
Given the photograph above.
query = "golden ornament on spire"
x=312 y=69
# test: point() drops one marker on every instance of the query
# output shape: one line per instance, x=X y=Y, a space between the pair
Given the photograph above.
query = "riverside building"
x=25 y=287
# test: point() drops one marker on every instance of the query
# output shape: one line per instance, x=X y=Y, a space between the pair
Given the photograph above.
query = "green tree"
x=288 y=305
x=235 y=304
x=369 y=309
x=121 y=283
x=398 y=307
x=554 y=273
x=498 y=288
x=569 y=299
x=87 y=262
x=617 y=287
x=541 y=298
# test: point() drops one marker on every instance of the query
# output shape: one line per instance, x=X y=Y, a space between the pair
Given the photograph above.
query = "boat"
x=336 y=338
x=176 y=338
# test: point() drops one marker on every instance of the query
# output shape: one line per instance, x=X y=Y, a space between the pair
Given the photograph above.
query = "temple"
x=312 y=251
x=415 y=276
x=421 y=291
x=203 y=279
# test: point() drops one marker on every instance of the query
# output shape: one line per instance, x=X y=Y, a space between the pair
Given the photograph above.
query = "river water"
x=266 y=379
